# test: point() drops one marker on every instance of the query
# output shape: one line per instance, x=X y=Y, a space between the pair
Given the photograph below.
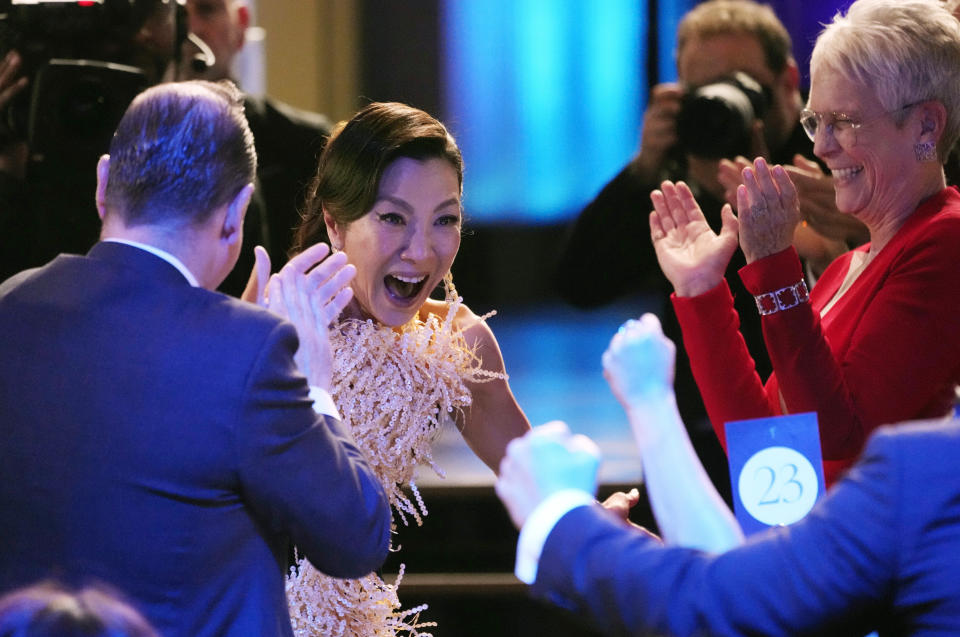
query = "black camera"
x=716 y=120
x=85 y=67
x=85 y=61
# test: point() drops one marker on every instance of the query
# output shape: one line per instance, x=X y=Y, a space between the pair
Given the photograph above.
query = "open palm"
x=692 y=256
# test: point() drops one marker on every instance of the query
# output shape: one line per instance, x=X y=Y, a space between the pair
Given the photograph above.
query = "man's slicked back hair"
x=182 y=150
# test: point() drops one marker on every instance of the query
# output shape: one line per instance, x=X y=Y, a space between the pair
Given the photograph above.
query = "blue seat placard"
x=776 y=469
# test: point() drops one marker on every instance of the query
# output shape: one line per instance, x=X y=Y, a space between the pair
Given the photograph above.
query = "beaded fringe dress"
x=395 y=390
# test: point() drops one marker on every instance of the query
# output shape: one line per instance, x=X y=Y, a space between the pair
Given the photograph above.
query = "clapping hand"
x=826 y=233
x=546 y=460
x=692 y=256
x=768 y=208
x=310 y=291
x=730 y=176
x=818 y=204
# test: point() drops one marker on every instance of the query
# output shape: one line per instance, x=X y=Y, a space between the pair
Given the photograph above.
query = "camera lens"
x=716 y=120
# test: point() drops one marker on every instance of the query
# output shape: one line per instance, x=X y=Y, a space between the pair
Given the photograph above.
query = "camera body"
x=716 y=119
x=85 y=61
x=85 y=67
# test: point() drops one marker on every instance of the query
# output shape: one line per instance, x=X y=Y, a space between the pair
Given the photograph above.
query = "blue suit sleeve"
x=823 y=575
x=302 y=473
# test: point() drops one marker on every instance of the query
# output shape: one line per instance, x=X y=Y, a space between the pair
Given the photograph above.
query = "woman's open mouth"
x=404 y=288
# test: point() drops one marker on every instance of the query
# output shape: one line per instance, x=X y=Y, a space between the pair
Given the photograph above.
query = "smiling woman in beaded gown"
x=388 y=194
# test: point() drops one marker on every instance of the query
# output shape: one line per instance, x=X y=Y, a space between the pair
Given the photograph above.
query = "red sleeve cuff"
x=695 y=311
x=772 y=272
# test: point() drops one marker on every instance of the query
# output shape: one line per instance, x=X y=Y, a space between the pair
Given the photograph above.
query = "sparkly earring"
x=450 y=291
x=925 y=151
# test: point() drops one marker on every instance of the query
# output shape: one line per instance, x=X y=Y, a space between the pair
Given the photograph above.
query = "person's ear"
x=790 y=76
x=232 y=228
x=932 y=116
x=243 y=23
x=334 y=231
x=103 y=171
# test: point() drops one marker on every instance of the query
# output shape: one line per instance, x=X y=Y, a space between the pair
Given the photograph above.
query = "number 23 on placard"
x=778 y=485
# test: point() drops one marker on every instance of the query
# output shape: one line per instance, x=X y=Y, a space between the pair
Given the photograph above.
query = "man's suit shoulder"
x=919 y=432
x=240 y=319
x=915 y=454
x=16 y=280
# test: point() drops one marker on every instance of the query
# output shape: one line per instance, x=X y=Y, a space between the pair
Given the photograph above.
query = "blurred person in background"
x=877 y=339
x=288 y=140
x=879 y=552
x=740 y=51
x=50 y=610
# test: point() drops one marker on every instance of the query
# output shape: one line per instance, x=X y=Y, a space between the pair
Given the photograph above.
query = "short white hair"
x=907 y=50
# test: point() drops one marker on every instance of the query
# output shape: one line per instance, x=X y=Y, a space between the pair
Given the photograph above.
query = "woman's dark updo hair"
x=350 y=168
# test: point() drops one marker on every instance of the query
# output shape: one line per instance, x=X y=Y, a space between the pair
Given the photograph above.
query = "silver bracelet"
x=782 y=299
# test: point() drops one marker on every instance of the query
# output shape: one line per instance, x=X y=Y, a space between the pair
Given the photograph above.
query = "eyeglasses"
x=841 y=125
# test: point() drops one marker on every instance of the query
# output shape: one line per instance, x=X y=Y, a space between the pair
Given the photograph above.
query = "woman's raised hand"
x=768 y=208
x=310 y=291
x=256 y=288
x=692 y=256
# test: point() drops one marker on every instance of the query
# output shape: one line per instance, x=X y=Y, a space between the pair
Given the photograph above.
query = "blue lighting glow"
x=668 y=17
x=545 y=98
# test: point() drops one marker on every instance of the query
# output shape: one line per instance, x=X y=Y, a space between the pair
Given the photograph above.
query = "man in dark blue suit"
x=880 y=551
x=157 y=436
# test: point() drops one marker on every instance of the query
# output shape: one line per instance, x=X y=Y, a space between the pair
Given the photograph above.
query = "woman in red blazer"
x=878 y=339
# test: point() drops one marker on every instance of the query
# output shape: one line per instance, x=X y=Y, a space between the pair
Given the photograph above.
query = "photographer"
x=68 y=70
x=730 y=46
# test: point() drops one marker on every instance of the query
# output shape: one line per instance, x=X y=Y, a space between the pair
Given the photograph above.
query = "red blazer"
x=888 y=351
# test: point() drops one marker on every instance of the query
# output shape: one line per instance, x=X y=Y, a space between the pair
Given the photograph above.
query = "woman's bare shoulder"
x=474 y=328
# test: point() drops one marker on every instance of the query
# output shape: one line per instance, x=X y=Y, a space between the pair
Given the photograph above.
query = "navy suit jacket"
x=157 y=437
x=880 y=552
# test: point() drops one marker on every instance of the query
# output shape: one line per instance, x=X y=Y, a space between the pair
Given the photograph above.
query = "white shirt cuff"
x=538 y=526
x=323 y=403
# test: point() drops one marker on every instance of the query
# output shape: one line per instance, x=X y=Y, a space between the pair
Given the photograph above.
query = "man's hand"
x=620 y=503
x=659 y=132
x=13 y=152
x=546 y=460
x=310 y=292
x=818 y=204
x=11 y=82
x=730 y=176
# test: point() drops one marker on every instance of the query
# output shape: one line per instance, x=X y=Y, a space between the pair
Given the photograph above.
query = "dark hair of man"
x=353 y=161
x=182 y=150
x=738 y=17
x=49 y=610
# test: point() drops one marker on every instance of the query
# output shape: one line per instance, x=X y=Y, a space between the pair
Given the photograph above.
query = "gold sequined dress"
x=394 y=390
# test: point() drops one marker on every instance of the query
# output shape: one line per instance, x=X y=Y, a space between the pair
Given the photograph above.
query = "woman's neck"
x=885 y=227
x=356 y=311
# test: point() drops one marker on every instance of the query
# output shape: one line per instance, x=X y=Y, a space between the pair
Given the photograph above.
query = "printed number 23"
x=779 y=490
